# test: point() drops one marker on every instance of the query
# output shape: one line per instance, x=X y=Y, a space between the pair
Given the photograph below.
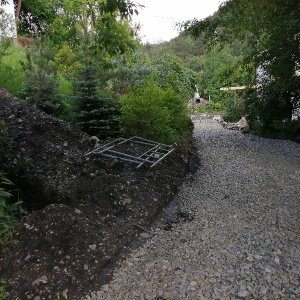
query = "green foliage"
x=7 y=29
x=171 y=72
x=12 y=74
x=3 y=289
x=155 y=113
x=42 y=82
x=270 y=29
x=128 y=71
x=235 y=110
x=269 y=113
x=288 y=129
x=66 y=61
x=64 y=20
x=185 y=47
x=8 y=211
x=94 y=111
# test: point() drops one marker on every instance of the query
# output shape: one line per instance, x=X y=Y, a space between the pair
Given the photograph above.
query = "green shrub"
x=155 y=113
x=12 y=74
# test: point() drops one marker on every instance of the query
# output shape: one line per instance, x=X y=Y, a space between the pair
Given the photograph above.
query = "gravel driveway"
x=243 y=241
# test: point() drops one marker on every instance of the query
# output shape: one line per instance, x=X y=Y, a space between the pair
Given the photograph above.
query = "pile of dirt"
x=82 y=211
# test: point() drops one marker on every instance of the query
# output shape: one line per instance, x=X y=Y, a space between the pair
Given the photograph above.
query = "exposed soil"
x=82 y=212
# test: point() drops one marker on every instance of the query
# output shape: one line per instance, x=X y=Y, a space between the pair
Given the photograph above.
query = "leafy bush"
x=12 y=74
x=155 y=113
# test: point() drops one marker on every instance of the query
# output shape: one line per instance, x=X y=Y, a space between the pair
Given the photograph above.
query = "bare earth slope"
x=82 y=212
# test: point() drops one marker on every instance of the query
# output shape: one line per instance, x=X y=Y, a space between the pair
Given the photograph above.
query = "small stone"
x=92 y=247
x=268 y=270
x=263 y=290
x=77 y=211
x=85 y=267
x=27 y=257
x=105 y=287
x=127 y=201
x=193 y=283
x=242 y=294
x=144 y=235
x=250 y=258
x=295 y=270
x=257 y=257
x=42 y=279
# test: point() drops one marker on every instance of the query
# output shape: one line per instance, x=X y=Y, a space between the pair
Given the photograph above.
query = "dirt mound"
x=82 y=211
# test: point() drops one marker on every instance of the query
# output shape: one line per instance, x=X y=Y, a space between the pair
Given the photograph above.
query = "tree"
x=42 y=82
x=271 y=29
x=62 y=20
x=95 y=112
x=171 y=72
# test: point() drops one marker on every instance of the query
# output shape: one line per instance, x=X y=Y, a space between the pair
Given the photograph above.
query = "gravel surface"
x=242 y=240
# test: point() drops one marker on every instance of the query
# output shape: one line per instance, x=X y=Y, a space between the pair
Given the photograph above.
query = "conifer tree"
x=95 y=111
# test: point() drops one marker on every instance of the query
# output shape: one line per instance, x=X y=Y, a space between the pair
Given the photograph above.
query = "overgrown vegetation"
x=270 y=30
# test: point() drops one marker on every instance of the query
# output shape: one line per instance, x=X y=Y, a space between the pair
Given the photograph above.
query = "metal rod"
x=104 y=146
x=130 y=156
x=126 y=140
x=162 y=158
x=123 y=158
x=154 y=149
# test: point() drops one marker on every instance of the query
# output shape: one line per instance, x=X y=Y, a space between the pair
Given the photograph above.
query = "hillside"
x=81 y=212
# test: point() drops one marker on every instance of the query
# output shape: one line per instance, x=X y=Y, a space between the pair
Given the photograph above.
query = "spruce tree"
x=95 y=112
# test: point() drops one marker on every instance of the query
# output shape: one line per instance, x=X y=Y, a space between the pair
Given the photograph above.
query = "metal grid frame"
x=154 y=155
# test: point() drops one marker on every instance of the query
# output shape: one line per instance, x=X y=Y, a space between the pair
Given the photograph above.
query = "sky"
x=158 y=18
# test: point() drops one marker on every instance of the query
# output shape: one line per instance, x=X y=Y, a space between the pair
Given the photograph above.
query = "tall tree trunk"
x=18 y=9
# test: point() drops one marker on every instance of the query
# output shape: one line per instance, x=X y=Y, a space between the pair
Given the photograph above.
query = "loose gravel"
x=243 y=239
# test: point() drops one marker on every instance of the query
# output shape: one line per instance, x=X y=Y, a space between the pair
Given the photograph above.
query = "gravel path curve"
x=243 y=241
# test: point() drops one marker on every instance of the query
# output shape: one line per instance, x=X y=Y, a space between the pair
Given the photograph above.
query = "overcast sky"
x=159 y=16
